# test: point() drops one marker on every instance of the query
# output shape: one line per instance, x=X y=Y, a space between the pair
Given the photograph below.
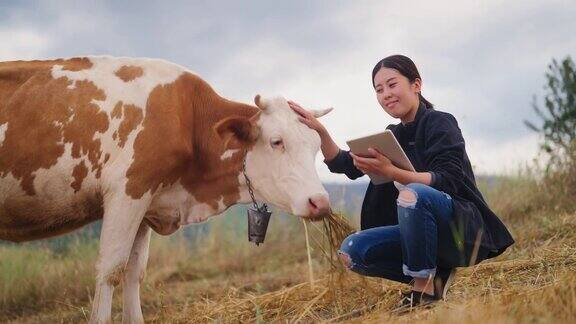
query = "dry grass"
x=523 y=289
x=225 y=279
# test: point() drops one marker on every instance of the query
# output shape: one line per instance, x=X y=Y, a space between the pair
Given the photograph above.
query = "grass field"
x=221 y=278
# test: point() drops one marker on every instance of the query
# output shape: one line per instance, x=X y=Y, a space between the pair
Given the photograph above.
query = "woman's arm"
x=405 y=177
x=379 y=164
x=443 y=154
x=329 y=148
x=337 y=160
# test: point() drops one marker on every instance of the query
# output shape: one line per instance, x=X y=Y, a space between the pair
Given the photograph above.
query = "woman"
x=423 y=225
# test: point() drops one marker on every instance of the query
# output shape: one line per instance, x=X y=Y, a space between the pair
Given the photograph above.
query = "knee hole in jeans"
x=407 y=198
x=345 y=258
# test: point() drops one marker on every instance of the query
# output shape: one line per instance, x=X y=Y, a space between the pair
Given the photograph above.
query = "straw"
x=310 y=272
x=336 y=229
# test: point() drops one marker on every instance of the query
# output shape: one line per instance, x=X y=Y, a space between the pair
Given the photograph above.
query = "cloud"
x=481 y=61
x=505 y=156
x=21 y=44
x=263 y=65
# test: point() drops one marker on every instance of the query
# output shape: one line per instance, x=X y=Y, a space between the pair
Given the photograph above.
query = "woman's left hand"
x=377 y=164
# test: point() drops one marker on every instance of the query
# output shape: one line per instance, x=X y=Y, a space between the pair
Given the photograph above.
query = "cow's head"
x=281 y=156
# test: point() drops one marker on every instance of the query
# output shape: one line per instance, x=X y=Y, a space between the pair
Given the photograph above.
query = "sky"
x=482 y=61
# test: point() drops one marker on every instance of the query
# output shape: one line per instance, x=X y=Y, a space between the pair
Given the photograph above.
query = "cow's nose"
x=318 y=206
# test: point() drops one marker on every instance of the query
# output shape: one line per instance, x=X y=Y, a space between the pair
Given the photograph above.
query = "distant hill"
x=347 y=197
x=344 y=198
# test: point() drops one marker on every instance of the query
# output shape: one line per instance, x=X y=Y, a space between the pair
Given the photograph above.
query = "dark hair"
x=405 y=66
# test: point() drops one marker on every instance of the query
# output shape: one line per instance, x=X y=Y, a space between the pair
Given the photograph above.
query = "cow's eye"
x=276 y=143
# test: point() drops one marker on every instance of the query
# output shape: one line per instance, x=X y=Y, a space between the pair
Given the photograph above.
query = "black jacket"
x=433 y=142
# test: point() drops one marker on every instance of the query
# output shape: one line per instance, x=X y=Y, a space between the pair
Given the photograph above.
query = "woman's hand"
x=307 y=118
x=328 y=146
x=376 y=164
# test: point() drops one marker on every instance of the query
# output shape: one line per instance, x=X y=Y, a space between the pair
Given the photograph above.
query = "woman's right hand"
x=328 y=147
x=307 y=118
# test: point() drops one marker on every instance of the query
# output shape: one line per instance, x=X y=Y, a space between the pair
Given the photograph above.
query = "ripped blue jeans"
x=411 y=249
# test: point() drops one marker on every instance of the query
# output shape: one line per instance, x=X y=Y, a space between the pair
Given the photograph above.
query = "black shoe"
x=442 y=281
x=413 y=299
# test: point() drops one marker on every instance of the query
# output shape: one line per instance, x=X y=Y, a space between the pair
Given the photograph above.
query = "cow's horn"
x=321 y=112
x=259 y=102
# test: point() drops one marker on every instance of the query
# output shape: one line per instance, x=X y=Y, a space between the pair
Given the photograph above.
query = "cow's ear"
x=237 y=132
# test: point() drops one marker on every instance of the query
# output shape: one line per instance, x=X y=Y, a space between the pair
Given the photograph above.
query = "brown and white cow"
x=141 y=143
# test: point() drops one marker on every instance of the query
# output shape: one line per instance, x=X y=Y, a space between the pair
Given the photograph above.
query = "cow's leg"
x=133 y=276
x=122 y=218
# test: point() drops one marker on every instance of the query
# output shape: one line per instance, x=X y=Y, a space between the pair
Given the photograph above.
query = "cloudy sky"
x=482 y=61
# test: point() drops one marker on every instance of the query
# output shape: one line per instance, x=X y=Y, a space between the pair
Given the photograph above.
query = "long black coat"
x=433 y=142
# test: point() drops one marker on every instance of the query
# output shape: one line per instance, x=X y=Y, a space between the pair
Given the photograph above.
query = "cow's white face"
x=281 y=164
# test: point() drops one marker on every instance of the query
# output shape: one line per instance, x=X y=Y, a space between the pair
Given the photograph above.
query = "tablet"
x=387 y=144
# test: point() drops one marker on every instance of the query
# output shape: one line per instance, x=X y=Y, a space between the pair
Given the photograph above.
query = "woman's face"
x=396 y=94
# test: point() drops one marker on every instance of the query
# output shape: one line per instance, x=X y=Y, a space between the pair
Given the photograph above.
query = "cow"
x=143 y=144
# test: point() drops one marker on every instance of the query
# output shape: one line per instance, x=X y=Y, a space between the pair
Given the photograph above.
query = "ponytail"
x=428 y=104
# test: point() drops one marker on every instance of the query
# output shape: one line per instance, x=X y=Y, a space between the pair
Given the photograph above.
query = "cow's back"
x=67 y=130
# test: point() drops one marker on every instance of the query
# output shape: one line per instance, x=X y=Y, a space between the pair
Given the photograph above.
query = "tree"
x=559 y=116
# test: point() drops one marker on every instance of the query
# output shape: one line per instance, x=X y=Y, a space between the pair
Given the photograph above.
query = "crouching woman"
x=420 y=227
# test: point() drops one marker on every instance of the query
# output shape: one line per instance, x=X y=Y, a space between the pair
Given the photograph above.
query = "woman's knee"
x=374 y=252
x=349 y=252
x=411 y=194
